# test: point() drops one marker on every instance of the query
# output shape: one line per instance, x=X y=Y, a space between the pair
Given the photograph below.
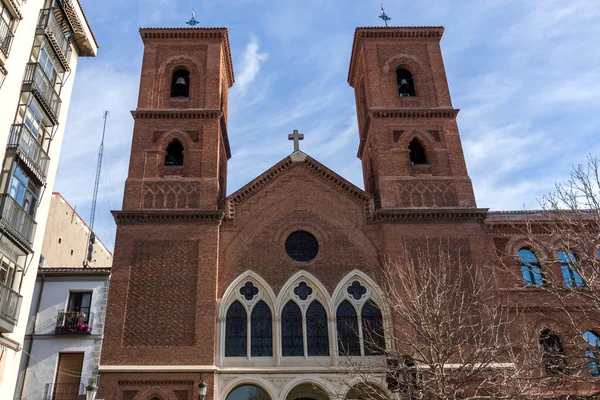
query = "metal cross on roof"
x=296 y=137
x=384 y=16
x=193 y=21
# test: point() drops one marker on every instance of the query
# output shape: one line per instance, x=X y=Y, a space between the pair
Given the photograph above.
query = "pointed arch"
x=261 y=331
x=174 y=153
x=417 y=153
x=347 y=330
x=155 y=392
x=292 y=337
x=372 y=328
x=317 y=330
x=232 y=294
x=287 y=291
x=236 y=331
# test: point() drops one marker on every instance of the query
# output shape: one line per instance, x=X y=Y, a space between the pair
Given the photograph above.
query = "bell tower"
x=409 y=141
x=180 y=147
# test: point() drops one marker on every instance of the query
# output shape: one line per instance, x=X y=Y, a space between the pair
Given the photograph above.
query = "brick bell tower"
x=409 y=141
x=165 y=267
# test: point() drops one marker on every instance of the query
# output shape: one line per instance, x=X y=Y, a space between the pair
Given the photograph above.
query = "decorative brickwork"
x=170 y=195
x=161 y=304
x=427 y=194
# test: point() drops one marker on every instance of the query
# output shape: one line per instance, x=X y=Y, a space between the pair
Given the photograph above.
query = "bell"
x=403 y=82
x=180 y=82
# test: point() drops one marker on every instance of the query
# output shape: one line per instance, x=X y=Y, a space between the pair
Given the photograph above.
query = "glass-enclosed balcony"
x=48 y=24
x=6 y=37
x=30 y=150
x=15 y=221
x=37 y=82
x=10 y=304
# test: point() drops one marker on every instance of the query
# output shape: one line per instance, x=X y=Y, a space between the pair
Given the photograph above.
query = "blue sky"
x=525 y=74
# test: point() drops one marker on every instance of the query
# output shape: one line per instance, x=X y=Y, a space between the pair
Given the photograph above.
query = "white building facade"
x=64 y=335
x=40 y=43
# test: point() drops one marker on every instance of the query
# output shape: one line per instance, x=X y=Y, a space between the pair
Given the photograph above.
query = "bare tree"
x=568 y=228
x=449 y=336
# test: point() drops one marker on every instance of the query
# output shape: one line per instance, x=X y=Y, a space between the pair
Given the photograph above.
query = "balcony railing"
x=48 y=23
x=38 y=82
x=6 y=37
x=17 y=221
x=74 y=322
x=32 y=152
x=10 y=303
x=63 y=391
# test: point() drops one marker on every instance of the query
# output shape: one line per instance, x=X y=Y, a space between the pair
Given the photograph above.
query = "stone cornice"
x=191 y=34
x=411 y=215
x=167 y=217
x=416 y=113
x=177 y=114
x=389 y=32
x=48 y=271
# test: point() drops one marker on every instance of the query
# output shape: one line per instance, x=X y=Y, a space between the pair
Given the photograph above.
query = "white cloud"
x=252 y=61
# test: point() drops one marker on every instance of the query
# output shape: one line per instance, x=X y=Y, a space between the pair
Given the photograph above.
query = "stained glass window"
x=261 y=336
x=301 y=246
x=347 y=329
x=236 y=330
x=292 y=342
x=317 y=334
x=568 y=266
x=530 y=268
x=372 y=328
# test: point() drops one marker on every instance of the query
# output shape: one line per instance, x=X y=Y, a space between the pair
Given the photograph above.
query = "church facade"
x=260 y=293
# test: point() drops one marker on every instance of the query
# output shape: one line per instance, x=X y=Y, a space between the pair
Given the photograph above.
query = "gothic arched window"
x=406 y=84
x=372 y=329
x=417 y=152
x=236 y=331
x=530 y=268
x=180 y=84
x=592 y=352
x=292 y=337
x=317 y=333
x=553 y=355
x=568 y=266
x=347 y=329
x=261 y=331
x=174 y=154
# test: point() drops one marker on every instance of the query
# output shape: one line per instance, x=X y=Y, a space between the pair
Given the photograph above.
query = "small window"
x=301 y=246
x=71 y=251
x=59 y=240
x=406 y=85
x=174 y=156
x=592 y=351
x=568 y=266
x=80 y=302
x=553 y=355
x=347 y=330
x=180 y=86
x=530 y=268
x=417 y=152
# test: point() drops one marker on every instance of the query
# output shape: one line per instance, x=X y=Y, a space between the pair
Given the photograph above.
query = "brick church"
x=256 y=293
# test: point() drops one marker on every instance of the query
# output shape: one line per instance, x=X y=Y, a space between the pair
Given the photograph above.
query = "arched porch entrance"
x=307 y=391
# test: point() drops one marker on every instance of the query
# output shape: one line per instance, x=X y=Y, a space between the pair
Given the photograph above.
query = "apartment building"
x=40 y=44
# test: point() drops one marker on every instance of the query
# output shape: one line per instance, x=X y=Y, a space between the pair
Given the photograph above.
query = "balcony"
x=16 y=222
x=48 y=25
x=10 y=304
x=30 y=150
x=63 y=391
x=38 y=83
x=6 y=37
x=74 y=322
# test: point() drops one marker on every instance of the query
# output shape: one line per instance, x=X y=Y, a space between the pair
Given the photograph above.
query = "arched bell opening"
x=174 y=154
x=180 y=84
x=417 y=152
x=406 y=83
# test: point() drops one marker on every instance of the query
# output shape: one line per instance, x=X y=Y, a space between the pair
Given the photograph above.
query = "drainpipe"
x=30 y=346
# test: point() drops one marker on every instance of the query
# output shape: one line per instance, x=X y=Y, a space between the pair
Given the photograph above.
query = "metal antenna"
x=193 y=21
x=98 y=169
x=384 y=16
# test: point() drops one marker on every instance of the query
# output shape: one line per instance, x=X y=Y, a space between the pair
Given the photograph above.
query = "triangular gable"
x=298 y=159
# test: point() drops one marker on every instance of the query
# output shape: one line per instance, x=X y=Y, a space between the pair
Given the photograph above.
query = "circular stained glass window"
x=301 y=246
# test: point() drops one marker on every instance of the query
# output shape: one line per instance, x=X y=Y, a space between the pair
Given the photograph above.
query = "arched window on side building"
x=530 y=268
x=553 y=355
x=568 y=266
x=592 y=351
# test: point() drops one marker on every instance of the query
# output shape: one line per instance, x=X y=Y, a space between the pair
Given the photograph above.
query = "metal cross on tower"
x=193 y=21
x=296 y=137
x=384 y=16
